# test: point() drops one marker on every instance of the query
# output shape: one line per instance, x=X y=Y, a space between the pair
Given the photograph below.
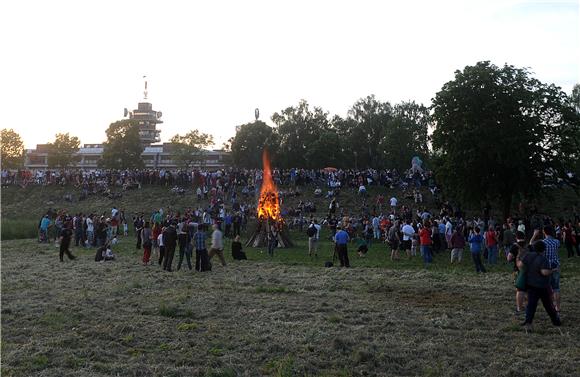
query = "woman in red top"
x=425 y=242
x=491 y=243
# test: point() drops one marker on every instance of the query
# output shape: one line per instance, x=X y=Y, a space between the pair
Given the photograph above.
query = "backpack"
x=311 y=231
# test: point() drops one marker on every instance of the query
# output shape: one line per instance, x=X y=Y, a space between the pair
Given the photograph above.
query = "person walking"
x=476 y=245
x=551 y=253
x=217 y=245
x=393 y=240
x=538 y=273
x=170 y=242
x=341 y=239
x=161 y=245
x=65 y=240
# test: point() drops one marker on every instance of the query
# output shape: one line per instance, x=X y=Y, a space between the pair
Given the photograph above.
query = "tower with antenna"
x=148 y=119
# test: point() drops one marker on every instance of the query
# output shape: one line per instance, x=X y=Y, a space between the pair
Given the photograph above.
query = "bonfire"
x=268 y=212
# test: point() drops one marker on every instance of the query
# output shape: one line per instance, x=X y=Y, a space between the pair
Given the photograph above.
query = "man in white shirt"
x=393 y=202
x=217 y=245
x=448 y=232
x=90 y=230
x=408 y=232
x=313 y=237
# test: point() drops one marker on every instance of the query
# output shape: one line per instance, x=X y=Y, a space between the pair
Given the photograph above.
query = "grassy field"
x=285 y=316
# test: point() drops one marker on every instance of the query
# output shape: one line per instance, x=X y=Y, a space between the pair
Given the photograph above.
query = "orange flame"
x=269 y=202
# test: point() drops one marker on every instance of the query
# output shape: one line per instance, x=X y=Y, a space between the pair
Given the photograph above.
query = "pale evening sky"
x=72 y=66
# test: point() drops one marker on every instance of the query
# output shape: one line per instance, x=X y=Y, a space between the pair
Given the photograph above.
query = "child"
x=476 y=245
x=414 y=244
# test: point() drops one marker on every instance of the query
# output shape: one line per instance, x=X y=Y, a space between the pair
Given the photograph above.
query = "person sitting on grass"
x=237 y=252
x=538 y=273
x=363 y=248
x=104 y=253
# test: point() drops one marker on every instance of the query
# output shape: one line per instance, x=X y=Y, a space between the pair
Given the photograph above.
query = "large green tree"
x=189 y=149
x=502 y=134
x=250 y=140
x=12 y=149
x=369 y=121
x=123 y=147
x=61 y=152
x=299 y=129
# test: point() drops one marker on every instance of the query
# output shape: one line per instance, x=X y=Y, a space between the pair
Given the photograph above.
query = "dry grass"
x=254 y=318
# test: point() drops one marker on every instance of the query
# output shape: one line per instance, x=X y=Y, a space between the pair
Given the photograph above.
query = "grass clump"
x=278 y=289
x=187 y=327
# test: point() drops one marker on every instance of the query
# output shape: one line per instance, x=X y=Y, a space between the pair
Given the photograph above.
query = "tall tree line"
x=374 y=134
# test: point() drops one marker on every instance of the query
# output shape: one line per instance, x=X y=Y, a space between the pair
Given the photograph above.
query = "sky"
x=73 y=66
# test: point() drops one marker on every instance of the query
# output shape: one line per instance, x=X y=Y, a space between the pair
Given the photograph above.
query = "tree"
x=501 y=133
x=123 y=147
x=406 y=135
x=370 y=119
x=298 y=129
x=61 y=152
x=250 y=140
x=12 y=149
x=188 y=150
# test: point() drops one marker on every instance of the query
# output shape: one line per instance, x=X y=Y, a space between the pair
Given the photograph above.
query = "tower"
x=148 y=119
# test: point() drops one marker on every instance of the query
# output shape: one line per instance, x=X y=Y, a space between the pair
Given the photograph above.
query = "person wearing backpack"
x=313 y=233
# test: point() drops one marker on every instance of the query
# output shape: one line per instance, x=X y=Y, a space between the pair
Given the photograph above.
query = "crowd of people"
x=405 y=230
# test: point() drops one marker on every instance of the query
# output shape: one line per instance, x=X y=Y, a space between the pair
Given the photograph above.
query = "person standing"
x=341 y=239
x=516 y=254
x=457 y=243
x=201 y=255
x=139 y=224
x=538 y=273
x=185 y=247
x=170 y=242
x=65 y=240
x=393 y=240
x=272 y=240
x=161 y=245
x=90 y=230
x=217 y=245
x=425 y=242
x=313 y=233
x=476 y=245
x=146 y=236
x=408 y=233
x=491 y=243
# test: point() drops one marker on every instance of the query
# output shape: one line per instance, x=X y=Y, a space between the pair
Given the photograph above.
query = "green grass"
x=241 y=319
x=18 y=229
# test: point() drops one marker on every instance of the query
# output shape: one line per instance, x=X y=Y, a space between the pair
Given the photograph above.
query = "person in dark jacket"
x=538 y=273
x=65 y=239
x=237 y=252
x=170 y=242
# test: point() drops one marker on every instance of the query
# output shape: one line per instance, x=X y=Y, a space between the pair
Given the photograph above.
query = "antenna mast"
x=145 y=91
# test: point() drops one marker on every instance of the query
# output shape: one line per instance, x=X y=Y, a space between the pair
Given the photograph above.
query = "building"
x=155 y=156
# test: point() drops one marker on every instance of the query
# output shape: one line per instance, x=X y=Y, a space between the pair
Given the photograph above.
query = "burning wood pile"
x=270 y=220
